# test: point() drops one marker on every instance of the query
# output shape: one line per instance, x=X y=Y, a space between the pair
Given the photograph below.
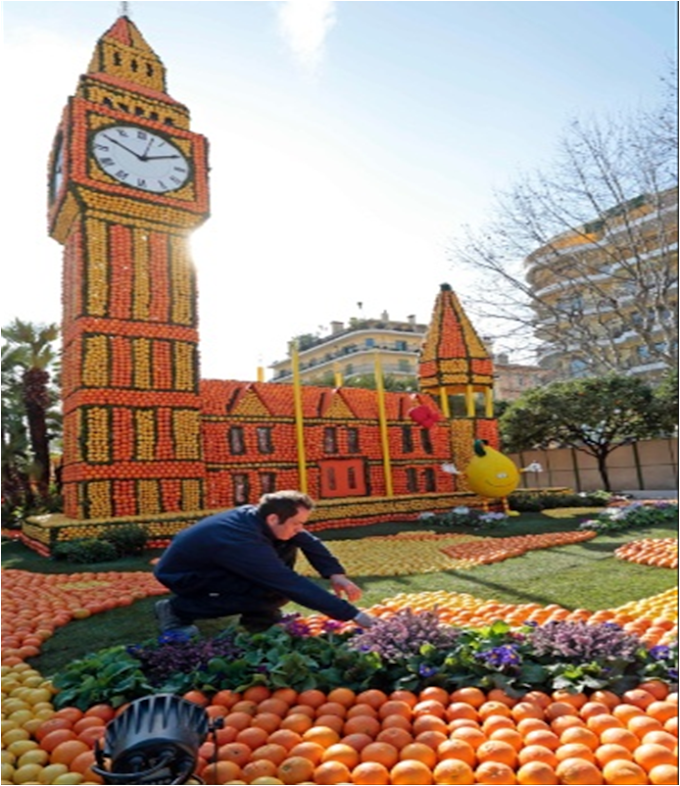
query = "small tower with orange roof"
x=455 y=367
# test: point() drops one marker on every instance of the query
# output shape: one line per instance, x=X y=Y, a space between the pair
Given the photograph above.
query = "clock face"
x=57 y=177
x=140 y=159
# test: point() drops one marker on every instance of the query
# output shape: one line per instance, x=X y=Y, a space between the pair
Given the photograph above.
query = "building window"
x=264 y=439
x=406 y=439
x=330 y=439
x=349 y=369
x=429 y=479
x=400 y=346
x=351 y=477
x=330 y=478
x=241 y=489
x=267 y=482
x=236 y=443
x=404 y=365
x=370 y=342
x=425 y=440
x=411 y=480
x=353 y=440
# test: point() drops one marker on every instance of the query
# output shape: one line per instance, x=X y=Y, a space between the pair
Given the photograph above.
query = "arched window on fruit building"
x=411 y=480
x=426 y=440
x=330 y=439
x=407 y=439
x=353 y=440
x=429 y=479
x=267 y=482
x=264 y=439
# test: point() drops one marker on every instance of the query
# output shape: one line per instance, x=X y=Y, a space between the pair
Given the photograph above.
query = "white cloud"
x=304 y=25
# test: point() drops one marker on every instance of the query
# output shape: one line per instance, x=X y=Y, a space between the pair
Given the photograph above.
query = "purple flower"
x=330 y=626
x=497 y=657
x=427 y=671
x=660 y=652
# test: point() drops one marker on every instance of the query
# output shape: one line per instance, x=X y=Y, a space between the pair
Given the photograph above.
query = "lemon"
x=7 y=771
x=27 y=774
x=13 y=734
x=51 y=772
x=34 y=756
x=69 y=778
x=20 y=747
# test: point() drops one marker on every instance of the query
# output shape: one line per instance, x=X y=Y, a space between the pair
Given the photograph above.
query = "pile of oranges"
x=661 y=552
x=466 y=736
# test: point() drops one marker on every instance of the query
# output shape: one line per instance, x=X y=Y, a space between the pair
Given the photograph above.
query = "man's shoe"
x=169 y=622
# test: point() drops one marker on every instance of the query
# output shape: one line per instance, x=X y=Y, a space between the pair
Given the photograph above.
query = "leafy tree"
x=29 y=420
x=566 y=266
x=595 y=416
x=667 y=393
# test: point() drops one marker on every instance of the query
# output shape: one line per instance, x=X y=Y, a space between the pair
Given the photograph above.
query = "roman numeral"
x=99 y=146
x=122 y=175
x=142 y=135
x=107 y=161
x=141 y=182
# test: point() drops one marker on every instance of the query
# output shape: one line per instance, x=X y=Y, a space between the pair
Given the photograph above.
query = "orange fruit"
x=591 y=708
x=298 y=722
x=531 y=724
x=310 y=750
x=544 y=737
x=457 y=749
x=432 y=738
x=252 y=736
x=610 y=751
x=410 y=772
x=493 y=708
x=103 y=711
x=357 y=741
x=472 y=696
x=657 y=688
x=382 y=752
x=277 y=706
x=536 y=772
x=361 y=710
x=238 y=752
x=495 y=722
x=498 y=694
x=256 y=693
x=289 y=695
x=662 y=710
x=55 y=738
x=260 y=768
x=268 y=721
x=606 y=697
x=312 y=697
x=661 y=737
x=453 y=771
x=537 y=753
x=72 y=714
x=580 y=734
x=429 y=707
x=494 y=772
x=65 y=752
x=511 y=736
x=648 y=755
x=526 y=709
x=52 y=724
x=418 y=751
x=434 y=693
x=575 y=699
x=329 y=772
x=197 y=696
x=334 y=722
x=343 y=753
x=598 y=723
x=430 y=723
x=370 y=772
x=238 y=720
x=373 y=697
x=221 y=772
x=578 y=771
x=642 y=724
x=331 y=708
x=344 y=696
x=623 y=737
x=295 y=769
x=286 y=737
x=563 y=722
x=537 y=697
x=497 y=750
x=301 y=709
x=558 y=708
x=323 y=735
x=638 y=697
x=624 y=712
x=664 y=774
x=622 y=771
x=474 y=737
x=575 y=750
x=404 y=695
x=395 y=707
x=362 y=724
x=394 y=736
x=272 y=751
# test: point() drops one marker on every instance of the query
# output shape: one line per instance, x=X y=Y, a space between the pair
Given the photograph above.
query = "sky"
x=350 y=142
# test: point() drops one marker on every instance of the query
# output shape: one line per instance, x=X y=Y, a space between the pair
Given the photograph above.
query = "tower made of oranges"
x=127 y=184
x=456 y=368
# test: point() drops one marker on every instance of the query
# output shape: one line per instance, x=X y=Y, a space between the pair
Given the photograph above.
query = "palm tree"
x=28 y=359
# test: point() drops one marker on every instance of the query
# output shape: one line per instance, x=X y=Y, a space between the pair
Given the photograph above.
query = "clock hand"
x=156 y=158
x=127 y=149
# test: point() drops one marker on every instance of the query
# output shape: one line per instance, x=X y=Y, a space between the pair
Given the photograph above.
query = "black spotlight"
x=154 y=740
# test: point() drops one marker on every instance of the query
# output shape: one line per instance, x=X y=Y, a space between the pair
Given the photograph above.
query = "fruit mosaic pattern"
x=428 y=552
x=465 y=736
x=662 y=552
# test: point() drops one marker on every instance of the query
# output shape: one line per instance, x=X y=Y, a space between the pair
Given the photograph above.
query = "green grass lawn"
x=583 y=575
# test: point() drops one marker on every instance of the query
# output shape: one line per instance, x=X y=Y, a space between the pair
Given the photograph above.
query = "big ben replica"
x=127 y=184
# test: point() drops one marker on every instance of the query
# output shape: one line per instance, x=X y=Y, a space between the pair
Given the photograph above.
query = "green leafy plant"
x=634 y=516
x=463 y=517
x=85 y=550
x=408 y=650
x=127 y=539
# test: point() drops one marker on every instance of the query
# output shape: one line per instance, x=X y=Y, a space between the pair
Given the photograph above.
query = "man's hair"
x=284 y=503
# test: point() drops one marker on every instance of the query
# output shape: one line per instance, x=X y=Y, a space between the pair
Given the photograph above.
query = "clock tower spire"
x=128 y=183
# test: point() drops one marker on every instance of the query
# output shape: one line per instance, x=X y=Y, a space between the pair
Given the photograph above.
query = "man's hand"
x=343 y=586
x=365 y=620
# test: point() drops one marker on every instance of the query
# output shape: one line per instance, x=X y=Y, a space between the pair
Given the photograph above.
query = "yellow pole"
x=469 y=401
x=382 y=414
x=444 y=400
x=338 y=375
x=488 y=402
x=260 y=374
x=299 y=421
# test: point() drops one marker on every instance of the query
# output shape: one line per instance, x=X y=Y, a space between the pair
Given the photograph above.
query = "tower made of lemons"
x=127 y=184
